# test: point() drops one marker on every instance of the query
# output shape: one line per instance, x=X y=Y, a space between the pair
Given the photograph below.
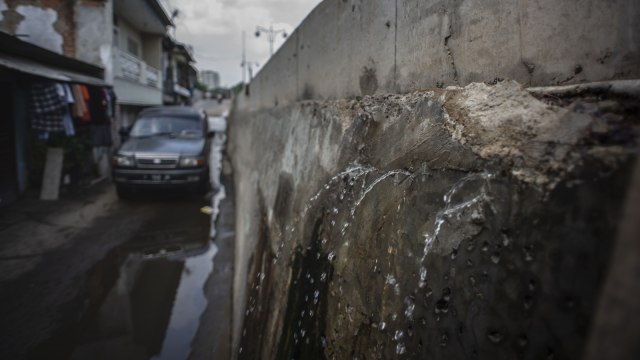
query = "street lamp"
x=271 y=35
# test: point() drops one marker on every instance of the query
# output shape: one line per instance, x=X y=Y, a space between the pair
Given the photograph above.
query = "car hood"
x=163 y=145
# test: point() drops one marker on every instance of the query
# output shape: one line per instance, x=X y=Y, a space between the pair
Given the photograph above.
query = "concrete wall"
x=381 y=214
x=439 y=224
x=348 y=48
x=94 y=34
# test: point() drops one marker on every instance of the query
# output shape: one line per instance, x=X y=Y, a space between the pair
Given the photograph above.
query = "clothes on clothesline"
x=48 y=108
x=57 y=105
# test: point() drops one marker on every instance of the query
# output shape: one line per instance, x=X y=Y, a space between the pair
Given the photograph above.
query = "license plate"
x=159 y=177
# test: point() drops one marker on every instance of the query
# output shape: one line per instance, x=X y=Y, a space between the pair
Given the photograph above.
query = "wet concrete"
x=105 y=279
x=462 y=223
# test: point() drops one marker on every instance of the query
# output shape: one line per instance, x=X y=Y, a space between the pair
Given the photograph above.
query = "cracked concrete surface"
x=442 y=223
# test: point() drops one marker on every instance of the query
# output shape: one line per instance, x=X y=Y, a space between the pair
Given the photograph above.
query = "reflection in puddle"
x=147 y=296
x=189 y=304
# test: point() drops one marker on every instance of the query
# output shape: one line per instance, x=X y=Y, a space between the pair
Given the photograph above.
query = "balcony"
x=136 y=82
x=131 y=68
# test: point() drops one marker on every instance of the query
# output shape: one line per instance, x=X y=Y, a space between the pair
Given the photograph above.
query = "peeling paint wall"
x=38 y=27
x=48 y=24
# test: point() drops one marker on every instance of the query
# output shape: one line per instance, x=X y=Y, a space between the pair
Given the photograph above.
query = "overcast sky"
x=214 y=29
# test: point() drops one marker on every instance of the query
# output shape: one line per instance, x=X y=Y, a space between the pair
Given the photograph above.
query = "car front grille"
x=156 y=161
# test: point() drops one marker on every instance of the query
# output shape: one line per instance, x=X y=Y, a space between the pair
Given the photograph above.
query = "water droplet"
x=477 y=217
x=472 y=280
x=396 y=289
x=382 y=325
x=316 y=294
x=323 y=277
x=495 y=257
x=398 y=335
x=446 y=294
x=312 y=280
x=408 y=312
x=333 y=222
x=454 y=253
x=442 y=306
x=331 y=256
x=335 y=210
x=485 y=246
x=394 y=317
x=505 y=240
x=495 y=336
x=428 y=292
x=391 y=279
x=444 y=340
x=400 y=349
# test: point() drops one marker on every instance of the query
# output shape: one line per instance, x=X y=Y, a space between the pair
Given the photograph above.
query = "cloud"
x=214 y=28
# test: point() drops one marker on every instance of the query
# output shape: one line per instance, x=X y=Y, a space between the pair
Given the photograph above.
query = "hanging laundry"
x=86 y=116
x=48 y=108
x=67 y=99
x=80 y=106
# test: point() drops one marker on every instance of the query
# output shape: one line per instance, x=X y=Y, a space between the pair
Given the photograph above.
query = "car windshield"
x=166 y=125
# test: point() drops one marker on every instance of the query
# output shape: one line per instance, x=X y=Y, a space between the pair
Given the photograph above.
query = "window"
x=132 y=47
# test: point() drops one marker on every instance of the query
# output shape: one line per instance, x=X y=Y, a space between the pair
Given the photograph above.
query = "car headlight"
x=121 y=160
x=191 y=161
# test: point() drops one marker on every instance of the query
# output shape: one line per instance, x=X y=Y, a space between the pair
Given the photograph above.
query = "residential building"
x=211 y=79
x=122 y=40
x=180 y=74
x=139 y=27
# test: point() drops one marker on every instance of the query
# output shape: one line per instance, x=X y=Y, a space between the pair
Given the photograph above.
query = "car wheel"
x=124 y=193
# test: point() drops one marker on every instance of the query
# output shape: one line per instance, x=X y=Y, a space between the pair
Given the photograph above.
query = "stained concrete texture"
x=348 y=48
x=472 y=222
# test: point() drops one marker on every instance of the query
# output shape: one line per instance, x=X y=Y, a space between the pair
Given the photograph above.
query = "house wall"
x=94 y=34
x=46 y=23
x=152 y=50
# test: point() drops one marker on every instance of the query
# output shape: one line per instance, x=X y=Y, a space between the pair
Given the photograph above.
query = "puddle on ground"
x=144 y=300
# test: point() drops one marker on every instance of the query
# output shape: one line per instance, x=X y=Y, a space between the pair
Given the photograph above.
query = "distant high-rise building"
x=211 y=79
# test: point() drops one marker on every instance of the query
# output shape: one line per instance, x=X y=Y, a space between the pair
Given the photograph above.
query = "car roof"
x=182 y=111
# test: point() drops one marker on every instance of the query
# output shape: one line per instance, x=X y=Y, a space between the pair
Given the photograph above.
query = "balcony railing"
x=131 y=68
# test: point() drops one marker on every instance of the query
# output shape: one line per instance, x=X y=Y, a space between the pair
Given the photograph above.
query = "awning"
x=33 y=68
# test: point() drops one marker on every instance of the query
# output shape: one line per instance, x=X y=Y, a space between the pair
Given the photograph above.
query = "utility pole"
x=271 y=35
x=250 y=65
x=244 y=58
